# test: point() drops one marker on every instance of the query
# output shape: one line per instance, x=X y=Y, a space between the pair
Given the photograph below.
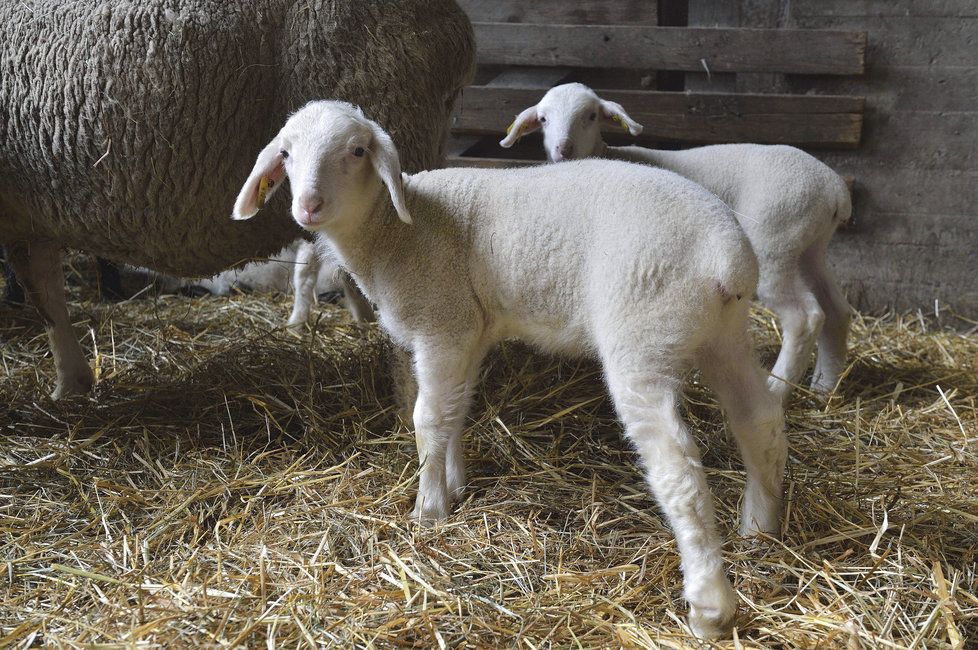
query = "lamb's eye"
x=358 y=152
x=543 y=120
x=592 y=116
x=285 y=154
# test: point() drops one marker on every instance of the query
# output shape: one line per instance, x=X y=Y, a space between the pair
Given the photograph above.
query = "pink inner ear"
x=276 y=173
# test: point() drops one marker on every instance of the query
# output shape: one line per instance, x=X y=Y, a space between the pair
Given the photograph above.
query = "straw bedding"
x=233 y=484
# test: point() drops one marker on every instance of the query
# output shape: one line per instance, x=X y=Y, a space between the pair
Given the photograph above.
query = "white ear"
x=383 y=156
x=526 y=122
x=266 y=177
x=614 y=112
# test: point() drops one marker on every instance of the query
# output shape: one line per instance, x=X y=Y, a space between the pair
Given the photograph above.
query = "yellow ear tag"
x=621 y=122
x=263 y=186
x=510 y=127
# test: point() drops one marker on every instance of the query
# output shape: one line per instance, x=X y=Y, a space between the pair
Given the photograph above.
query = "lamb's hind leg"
x=38 y=266
x=801 y=320
x=647 y=403
x=757 y=422
x=832 y=341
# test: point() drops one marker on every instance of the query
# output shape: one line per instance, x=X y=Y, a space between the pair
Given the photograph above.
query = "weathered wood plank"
x=682 y=117
x=708 y=13
x=672 y=48
x=909 y=40
x=520 y=77
x=578 y=12
x=884 y=8
x=459 y=144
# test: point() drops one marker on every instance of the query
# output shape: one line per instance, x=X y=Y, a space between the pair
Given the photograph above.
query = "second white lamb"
x=788 y=203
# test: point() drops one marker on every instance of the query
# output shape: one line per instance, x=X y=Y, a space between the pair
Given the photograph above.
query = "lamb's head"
x=571 y=116
x=336 y=160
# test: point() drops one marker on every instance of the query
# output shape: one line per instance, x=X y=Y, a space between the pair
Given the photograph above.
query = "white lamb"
x=788 y=203
x=639 y=268
x=298 y=268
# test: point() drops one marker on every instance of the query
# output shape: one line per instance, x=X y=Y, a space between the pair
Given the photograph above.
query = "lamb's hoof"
x=822 y=389
x=429 y=514
x=759 y=521
x=713 y=610
x=753 y=532
x=80 y=385
x=779 y=388
x=711 y=625
x=429 y=509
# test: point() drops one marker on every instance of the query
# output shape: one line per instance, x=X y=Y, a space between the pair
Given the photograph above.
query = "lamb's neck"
x=362 y=242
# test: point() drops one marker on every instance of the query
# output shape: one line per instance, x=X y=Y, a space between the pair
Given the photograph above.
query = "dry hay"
x=236 y=485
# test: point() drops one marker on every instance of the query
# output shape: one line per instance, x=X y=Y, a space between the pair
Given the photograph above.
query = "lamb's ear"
x=266 y=177
x=383 y=156
x=526 y=122
x=614 y=112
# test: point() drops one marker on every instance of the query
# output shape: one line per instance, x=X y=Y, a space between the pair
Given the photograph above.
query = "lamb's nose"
x=311 y=204
x=564 y=150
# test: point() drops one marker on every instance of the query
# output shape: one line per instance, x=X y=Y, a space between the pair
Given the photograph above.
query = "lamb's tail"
x=843 y=207
x=734 y=266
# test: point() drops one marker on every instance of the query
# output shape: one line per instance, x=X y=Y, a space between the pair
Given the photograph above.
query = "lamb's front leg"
x=304 y=277
x=444 y=394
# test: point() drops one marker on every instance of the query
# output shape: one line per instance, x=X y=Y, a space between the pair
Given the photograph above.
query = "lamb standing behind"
x=642 y=269
x=122 y=123
x=298 y=268
x=788 y=202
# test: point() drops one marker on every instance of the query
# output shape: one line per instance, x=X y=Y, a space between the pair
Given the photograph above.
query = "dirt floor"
x=234 y=484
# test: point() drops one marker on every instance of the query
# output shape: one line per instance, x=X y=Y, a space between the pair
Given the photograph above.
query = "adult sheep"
x=127 y=126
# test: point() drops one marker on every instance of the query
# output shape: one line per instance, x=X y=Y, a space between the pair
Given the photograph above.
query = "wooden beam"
x=578 y=12
x=804 y=120
x=523 y=77
x=694 y=49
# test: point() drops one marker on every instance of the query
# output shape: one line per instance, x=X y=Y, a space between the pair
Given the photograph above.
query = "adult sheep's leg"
x=832 y=341
x=304 y=276
x=757 y=421
x=38 y=265
x=801 y=318
x=13 y=293
x=443 y=371
x=646 y=401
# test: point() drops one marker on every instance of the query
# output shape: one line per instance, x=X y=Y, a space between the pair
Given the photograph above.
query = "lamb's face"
x=335 y=159
x=327 y=159
x=570 y=117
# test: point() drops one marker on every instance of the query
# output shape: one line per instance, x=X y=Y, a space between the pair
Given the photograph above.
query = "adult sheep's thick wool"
x=126 y=127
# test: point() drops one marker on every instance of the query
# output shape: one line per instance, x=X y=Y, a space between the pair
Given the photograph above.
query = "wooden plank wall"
x=915 y=238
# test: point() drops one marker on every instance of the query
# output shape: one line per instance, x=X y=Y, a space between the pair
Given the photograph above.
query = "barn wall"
x=915 y=235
